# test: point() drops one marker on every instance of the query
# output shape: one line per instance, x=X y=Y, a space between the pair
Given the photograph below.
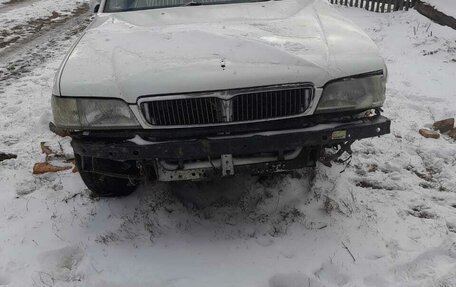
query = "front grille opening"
x=244 y=107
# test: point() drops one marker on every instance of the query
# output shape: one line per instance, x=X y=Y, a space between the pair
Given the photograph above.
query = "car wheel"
x=105 y=186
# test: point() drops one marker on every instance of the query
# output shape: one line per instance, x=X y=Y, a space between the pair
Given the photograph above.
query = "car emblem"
x=227 y=112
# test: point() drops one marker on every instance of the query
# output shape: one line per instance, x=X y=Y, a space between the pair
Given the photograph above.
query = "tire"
x=105 y=186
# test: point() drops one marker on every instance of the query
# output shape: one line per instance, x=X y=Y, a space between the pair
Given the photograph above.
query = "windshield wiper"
x=193 y=3
x=196 y=3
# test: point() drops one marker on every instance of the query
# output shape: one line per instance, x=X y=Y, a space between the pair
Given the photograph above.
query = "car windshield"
x=131 y=5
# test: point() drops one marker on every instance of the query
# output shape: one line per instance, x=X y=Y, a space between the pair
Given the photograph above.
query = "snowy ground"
x=23 y=20
x=446 y=6
x=388 y=219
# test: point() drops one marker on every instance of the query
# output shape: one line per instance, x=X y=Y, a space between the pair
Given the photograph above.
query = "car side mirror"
x=95 y=5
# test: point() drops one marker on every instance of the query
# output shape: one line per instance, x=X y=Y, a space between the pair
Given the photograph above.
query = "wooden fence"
x=378 y=5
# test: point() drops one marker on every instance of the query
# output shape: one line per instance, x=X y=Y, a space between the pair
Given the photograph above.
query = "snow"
x=387 y=219
x=38 y=9
x=140 y=141
x=448 y=7
x=27 y=19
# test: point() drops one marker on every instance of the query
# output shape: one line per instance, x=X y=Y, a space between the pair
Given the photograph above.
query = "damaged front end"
x=144 y=154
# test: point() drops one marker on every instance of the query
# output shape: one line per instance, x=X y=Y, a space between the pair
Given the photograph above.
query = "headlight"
x=74 y=113
x=353 y=94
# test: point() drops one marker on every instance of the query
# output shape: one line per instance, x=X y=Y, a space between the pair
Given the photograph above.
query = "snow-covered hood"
x=189 y=49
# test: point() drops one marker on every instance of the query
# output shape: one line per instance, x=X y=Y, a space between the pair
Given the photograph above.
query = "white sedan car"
x=174 y=90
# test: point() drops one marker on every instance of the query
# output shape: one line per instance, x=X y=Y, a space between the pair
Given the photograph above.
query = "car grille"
x=250 y=105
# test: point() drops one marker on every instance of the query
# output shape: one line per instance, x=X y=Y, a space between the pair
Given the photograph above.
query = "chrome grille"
x=272 y=104
x=225 y=107
x=178 y=112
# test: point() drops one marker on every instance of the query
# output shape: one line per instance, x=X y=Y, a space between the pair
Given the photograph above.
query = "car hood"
x=192 y=49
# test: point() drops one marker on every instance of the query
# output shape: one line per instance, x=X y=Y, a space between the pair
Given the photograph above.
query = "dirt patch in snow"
x=20 y=33
x=421 y=211
x=435 y=15
x=37 y=48
x=14 y=2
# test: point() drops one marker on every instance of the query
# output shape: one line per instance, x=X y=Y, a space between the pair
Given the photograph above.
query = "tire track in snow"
x=15 y=4
x=23 y=33
x=33 y=50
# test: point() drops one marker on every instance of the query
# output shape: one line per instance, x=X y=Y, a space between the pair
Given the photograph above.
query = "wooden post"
x=377 y=9
x=407 y=3
x=372 y=6
x=390 y=3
